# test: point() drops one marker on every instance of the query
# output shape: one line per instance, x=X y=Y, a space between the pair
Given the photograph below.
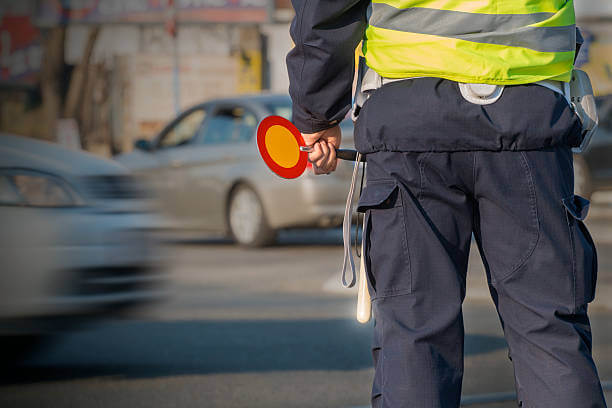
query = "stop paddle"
x=283 y=149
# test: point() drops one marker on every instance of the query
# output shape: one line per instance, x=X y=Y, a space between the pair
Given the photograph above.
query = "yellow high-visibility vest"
x=501 y=42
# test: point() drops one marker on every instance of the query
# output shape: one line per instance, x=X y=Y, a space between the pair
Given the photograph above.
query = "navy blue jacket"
x=426 y=114
x=322 y=64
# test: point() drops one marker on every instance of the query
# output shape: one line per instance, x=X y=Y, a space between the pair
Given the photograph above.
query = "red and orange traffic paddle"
x=283 y=149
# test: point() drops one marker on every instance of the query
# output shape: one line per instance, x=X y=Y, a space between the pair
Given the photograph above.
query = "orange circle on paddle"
x=279 y=143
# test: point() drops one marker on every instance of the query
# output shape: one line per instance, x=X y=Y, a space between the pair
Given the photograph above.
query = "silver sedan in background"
x=206 y=169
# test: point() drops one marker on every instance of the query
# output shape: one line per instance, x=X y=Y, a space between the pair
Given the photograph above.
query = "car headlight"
x=30 y=188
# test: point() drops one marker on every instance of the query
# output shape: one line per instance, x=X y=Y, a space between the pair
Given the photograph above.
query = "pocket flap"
x=577 y=206
x=379 y=194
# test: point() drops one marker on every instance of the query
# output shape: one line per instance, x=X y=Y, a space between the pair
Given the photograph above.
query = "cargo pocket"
x=584 y=254
x=386 y=246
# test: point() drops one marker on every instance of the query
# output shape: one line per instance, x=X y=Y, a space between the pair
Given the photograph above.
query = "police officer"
x=448 y=159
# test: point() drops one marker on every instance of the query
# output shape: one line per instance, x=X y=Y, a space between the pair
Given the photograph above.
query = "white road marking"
x=334 y=285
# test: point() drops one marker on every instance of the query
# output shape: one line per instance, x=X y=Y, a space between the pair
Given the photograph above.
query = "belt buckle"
x=481 y=94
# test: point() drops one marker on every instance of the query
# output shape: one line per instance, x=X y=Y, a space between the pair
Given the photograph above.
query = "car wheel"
x=582 y=178
x=246 y=218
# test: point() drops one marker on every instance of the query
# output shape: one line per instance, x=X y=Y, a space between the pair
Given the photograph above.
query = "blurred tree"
x=283 y=4
x=78 y=80
x=55 y=106
x=51 y=78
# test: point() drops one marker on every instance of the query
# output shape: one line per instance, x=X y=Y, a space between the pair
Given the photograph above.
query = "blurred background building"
x=595 y=20
x=102 y=73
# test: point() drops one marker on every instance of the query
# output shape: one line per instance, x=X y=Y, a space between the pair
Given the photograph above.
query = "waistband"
x=371 y=81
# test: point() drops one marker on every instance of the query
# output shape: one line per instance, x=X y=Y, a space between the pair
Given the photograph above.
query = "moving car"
x=208 y=174
x=593 y=167
x=73 y=242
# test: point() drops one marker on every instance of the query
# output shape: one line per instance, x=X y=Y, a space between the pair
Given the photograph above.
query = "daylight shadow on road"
x=285 y=238
x=145 y=349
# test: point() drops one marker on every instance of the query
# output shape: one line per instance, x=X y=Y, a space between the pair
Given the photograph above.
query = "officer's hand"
x=324 y=144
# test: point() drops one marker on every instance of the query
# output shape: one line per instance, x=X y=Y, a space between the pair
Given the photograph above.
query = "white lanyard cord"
x=346 y=229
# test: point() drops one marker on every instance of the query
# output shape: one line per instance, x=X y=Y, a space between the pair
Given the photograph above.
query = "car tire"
x=582 y=178
x=247 y=221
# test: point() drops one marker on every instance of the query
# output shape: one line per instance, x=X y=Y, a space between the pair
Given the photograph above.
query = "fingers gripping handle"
x=344 y=154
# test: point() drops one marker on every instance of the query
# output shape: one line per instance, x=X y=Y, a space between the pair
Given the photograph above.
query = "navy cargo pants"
x=421 y=211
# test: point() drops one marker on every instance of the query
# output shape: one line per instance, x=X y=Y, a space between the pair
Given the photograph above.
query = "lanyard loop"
x=346 y=230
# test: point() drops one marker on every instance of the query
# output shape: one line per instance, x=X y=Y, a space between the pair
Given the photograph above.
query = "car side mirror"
x=142 y=144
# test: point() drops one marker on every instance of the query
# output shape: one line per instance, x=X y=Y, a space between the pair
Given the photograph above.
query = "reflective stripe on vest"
x=478 y=41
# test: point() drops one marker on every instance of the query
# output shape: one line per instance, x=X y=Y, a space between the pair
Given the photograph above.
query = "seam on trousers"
x=433 y=386
x=301 y=41
x=382 y=364
x=421 y=162
x=402 y=195
x=572 y=254
x=474 y=174
x=401 y=292
x=534 y=213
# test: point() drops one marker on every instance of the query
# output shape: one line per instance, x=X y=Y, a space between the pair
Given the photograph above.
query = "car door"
x=172 y=151
x=599 y=154
x=224 y=148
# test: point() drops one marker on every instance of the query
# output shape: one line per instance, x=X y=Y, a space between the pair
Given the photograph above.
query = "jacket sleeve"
x=321 y=66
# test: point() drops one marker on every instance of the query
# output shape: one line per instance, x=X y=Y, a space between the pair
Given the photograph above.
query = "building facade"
x=151 y=58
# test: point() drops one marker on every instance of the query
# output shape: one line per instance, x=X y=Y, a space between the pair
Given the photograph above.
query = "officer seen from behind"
x=447 y=159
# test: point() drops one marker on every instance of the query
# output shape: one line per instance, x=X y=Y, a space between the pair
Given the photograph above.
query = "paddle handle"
x=344 y=154
x=348 y=154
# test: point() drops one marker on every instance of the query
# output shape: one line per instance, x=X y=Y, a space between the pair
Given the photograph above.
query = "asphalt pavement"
x=266 y=328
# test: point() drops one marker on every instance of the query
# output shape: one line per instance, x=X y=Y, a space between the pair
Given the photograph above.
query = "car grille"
x=113 y=187
x=112 y=280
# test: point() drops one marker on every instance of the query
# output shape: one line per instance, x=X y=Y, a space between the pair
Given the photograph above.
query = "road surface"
x=266 y=328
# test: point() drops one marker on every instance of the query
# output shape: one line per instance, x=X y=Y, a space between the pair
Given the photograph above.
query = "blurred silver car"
x=593 y=167
x=206 y=168
x=73 y=242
